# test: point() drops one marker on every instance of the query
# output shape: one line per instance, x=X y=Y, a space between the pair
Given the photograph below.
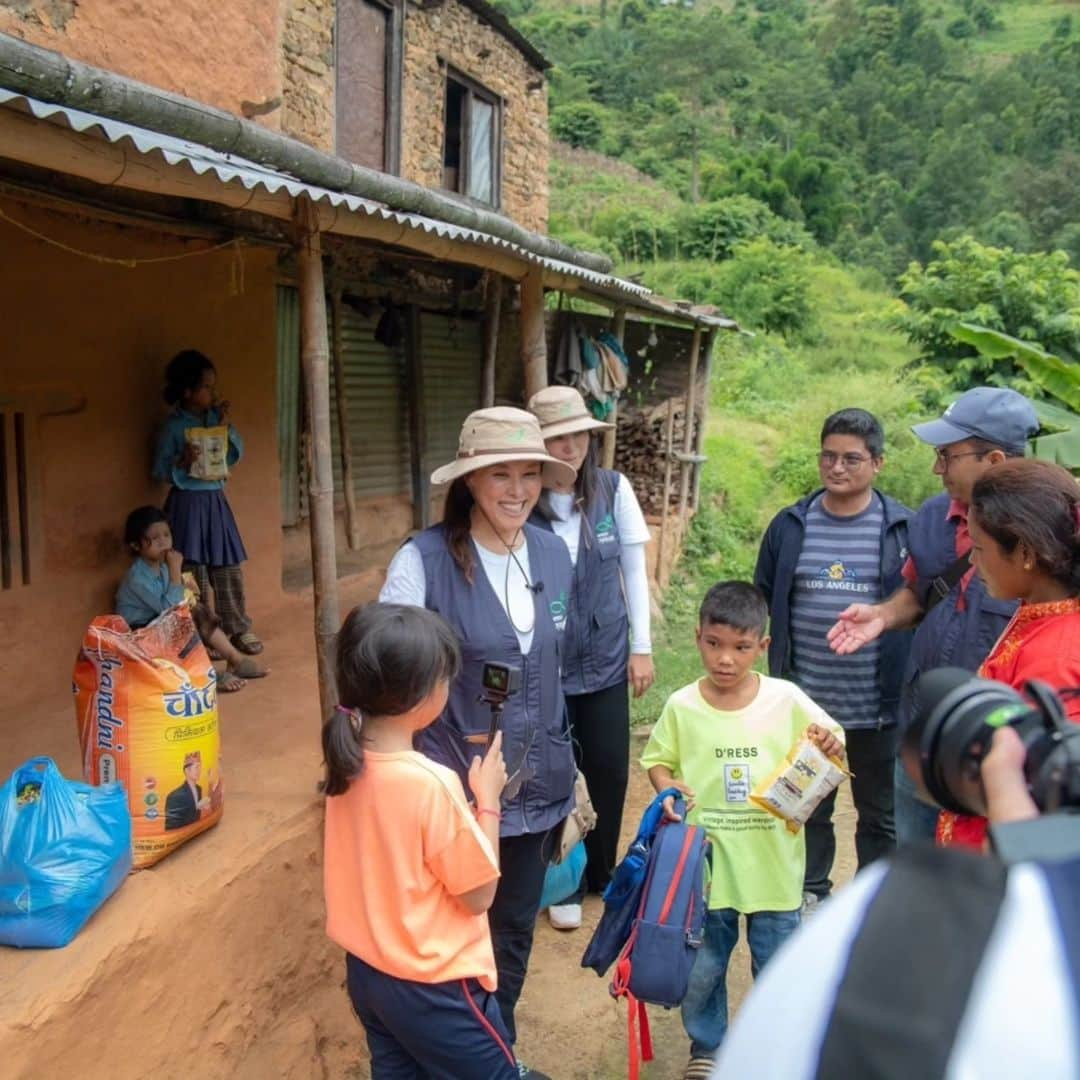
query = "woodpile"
x=642 y=448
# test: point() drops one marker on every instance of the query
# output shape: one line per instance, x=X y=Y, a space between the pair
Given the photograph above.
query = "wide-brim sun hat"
x=499 y=435
x=561 y=410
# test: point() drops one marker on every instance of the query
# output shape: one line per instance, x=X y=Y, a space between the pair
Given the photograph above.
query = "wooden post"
x=352 y=519
x=669 y=450
x=492 y=312
x=688 y=420
x=533 y=342
x=315 y=364
x=703 y=418
x=414 y=381
x=618 y=330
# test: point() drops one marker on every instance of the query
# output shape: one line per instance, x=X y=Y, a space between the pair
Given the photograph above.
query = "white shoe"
x=565 y=916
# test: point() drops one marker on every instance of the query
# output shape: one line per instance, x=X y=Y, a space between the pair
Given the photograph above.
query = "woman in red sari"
x=1025 y=532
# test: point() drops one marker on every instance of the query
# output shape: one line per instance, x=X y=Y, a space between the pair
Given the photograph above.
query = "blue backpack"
x=654 y=919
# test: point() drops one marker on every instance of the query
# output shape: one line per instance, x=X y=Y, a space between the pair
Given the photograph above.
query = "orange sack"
x=146 y=709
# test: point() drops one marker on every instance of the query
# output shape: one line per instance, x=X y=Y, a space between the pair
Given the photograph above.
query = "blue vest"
x=947 y=636
x=596 y=649
x=534 y=722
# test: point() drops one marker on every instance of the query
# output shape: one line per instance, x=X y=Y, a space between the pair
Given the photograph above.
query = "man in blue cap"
x=958 y=621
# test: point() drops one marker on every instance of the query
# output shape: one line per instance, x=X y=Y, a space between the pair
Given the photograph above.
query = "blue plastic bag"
x=65 y=847
x=562 y=879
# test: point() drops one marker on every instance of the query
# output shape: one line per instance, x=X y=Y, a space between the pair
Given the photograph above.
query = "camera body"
x=500 y=681
x=954 y=717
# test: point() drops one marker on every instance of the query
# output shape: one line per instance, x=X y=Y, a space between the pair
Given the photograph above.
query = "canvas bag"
x=579 y=822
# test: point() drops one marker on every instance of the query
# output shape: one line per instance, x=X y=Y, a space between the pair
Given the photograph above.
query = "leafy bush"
x=580 y=123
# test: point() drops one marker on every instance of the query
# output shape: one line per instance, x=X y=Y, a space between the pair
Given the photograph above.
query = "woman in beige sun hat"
x=607 y=645
x=504 y=586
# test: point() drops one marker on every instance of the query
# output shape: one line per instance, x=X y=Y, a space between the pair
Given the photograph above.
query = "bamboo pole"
x=533 y=341
x=618 y=331
x=669 y=449
x=418 y=454
x=352 y=518
x=703 y=419
x=315 y=364
x=492 y=314
x=688 y=435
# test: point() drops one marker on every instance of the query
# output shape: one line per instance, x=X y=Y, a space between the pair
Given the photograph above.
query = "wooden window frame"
x=395 y=74
x=475 y=89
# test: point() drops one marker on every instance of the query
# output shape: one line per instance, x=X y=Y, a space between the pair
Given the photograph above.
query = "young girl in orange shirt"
x=410 y=867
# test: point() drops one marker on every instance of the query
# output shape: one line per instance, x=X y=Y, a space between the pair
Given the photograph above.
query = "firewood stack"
x=641 y=448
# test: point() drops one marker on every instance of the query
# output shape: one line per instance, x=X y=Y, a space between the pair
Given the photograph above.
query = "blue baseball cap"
x=999 y=416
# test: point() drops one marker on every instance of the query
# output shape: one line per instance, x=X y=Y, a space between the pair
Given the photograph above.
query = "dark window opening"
x=471 y=141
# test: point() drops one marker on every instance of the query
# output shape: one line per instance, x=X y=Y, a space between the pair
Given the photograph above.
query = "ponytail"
x=343 y=750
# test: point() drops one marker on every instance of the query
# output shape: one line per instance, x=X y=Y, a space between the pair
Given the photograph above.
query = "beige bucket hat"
x=491 y=436
x=561 y=410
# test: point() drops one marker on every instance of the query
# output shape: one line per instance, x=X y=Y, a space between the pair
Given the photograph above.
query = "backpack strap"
x=944 y=584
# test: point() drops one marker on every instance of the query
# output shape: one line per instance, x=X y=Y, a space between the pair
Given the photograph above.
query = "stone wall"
x=307 y=39
x=452 y=34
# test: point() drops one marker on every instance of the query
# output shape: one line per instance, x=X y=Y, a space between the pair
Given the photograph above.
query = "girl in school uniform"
x=202 y=523
x=410 y=866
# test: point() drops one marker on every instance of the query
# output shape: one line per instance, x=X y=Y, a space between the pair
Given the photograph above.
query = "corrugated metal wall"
x=453 y=354
x=376 y=392
x=378 y=409
x=288 y=401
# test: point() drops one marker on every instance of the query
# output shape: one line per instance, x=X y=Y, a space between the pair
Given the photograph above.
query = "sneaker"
x=699 y=1068
x=525 y=1073
x=565 y=916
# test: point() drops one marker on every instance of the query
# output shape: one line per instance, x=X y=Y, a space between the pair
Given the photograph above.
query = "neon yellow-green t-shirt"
x=757 y=865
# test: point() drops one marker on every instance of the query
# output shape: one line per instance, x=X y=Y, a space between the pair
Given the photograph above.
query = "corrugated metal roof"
x=230 y=169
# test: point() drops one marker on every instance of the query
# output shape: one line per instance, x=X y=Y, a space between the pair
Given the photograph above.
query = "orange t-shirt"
x=399 y=846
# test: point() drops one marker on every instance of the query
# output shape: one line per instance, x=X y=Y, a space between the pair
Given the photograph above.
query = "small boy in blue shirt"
x=715 y=741
x=155 y=583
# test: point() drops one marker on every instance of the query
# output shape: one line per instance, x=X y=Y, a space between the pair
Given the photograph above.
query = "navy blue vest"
x=947 y=636
x=534 y=723
x=596 y=648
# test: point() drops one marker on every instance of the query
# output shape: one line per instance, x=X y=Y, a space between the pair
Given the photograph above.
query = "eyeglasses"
x=827 y=459
x=944 y=459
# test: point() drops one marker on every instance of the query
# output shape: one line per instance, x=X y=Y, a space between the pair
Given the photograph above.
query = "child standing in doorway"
x=410 y=868
x=714 y=741
x=154 y=583
x=203 y=527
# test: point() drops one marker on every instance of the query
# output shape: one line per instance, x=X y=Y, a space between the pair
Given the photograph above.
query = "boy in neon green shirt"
x=714 y=741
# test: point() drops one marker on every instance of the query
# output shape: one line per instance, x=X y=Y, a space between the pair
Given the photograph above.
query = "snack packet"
x=805 y=777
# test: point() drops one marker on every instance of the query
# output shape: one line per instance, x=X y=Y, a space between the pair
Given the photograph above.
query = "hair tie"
x=356 y=721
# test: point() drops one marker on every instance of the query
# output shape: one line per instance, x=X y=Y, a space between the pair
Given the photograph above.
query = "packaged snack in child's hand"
x=805 y=777
x=211 y=462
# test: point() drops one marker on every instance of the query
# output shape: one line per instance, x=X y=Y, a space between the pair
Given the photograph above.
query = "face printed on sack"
x=506 y=493
x=573 y=449
x=729 y=654
x=155 y=542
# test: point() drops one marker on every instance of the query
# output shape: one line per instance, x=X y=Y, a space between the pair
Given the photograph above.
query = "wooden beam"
x=315 y=364
x=685 y=467
x=703 y=418
x=418 y=455
x=492 y=312
x=533 y=340
x=669 y=457
x=348 y=481
x=618 y=331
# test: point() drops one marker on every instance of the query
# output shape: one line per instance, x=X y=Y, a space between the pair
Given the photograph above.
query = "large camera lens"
x=954 y=717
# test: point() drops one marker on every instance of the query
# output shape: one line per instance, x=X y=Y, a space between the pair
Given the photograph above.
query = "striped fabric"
x=840 y=564
x=938 y=964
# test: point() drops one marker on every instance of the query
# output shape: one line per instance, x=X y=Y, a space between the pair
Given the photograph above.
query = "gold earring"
x=1027 y=566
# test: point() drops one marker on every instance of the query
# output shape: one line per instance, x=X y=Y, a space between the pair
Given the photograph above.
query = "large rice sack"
x=146 y=709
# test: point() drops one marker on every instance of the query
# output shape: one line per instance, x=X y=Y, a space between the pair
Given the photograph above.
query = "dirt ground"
x=568 y=1025
x=216 y=959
